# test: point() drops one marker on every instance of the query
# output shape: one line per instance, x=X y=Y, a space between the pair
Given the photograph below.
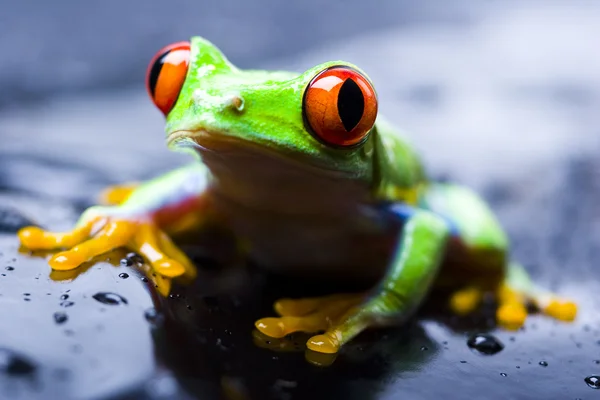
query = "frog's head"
x=321 y=118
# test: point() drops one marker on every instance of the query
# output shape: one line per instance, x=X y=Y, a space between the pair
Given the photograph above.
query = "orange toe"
x=326 y=343
x=511 y=316
x=31 y=236
x=563 y=311
x=169 y=268
x=66 y=260
x=273 y=327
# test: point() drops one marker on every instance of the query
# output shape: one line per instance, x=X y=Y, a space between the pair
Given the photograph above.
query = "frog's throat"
x=206 y=142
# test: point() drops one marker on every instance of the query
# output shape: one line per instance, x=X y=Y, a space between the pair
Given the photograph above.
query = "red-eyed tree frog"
x=302 y=170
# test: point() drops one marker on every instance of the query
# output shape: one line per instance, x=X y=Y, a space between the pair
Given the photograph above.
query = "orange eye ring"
x=340 y=107
x=166 y=73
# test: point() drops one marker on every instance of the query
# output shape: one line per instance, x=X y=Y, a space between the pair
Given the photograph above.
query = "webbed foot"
x=331 y=314
x=512 y=310
x=100 y=230
x=514 y=302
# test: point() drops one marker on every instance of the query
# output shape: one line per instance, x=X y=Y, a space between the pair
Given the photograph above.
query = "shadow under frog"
x=205 y=337
x=203 y=331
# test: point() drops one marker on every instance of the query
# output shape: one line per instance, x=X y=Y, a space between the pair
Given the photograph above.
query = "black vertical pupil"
x=155 y=71
x=351 y=104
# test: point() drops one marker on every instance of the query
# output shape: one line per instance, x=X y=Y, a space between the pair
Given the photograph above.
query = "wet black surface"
x=104 y=332
x=198 y=342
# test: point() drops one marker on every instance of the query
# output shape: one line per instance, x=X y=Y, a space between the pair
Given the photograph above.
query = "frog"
x=311 y=182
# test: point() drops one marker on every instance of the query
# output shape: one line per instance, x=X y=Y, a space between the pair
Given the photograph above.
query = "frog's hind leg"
x=477 y=262
x=475 y=259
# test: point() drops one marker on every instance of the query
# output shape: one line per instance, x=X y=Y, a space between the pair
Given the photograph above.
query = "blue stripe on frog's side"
x=402 y=212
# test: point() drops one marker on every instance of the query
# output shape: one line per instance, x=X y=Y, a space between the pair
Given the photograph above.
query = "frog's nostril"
x=236 y=101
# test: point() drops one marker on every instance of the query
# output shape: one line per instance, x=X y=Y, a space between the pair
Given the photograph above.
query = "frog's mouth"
x=208 y=145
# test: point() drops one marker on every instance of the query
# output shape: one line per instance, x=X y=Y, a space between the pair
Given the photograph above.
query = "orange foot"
x=312 y=315
x=512 y=305
x=98 y=233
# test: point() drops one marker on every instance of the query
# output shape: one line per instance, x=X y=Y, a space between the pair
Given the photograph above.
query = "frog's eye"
x=166 y=74
x=340 y=106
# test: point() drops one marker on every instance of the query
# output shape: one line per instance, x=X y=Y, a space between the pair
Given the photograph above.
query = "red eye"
x=166 y=74
x=340 y=106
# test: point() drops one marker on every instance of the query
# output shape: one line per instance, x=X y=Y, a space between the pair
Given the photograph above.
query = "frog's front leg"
x=410 y=276
x=139 y=223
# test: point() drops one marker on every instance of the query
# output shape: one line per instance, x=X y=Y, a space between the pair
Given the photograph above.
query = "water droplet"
x=503 y=374
x=26 y=294
x=593 y=381
x=463 y=362
x=153 y=316
x=12 y=363
x=112 y=299
x=485 y=344
x=144 y=279
x=64 y=297
x=543 y=363
x=126 y=262
x=123 y=275
x=60 y=317
x=135 y=258
x=597 y=361
x=66 y=303
x=424 y=348
x=189 y=307
x=9 y=268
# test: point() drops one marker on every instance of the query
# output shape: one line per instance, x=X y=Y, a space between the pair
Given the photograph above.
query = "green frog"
x=311 y=181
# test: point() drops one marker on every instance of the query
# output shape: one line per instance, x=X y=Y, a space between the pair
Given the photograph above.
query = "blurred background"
x=515 y=78
x=499 y=95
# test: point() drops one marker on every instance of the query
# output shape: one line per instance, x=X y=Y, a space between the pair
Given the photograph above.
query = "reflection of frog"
x=298 y=169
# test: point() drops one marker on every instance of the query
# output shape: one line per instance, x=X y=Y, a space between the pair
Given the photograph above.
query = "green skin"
x=278 y=186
